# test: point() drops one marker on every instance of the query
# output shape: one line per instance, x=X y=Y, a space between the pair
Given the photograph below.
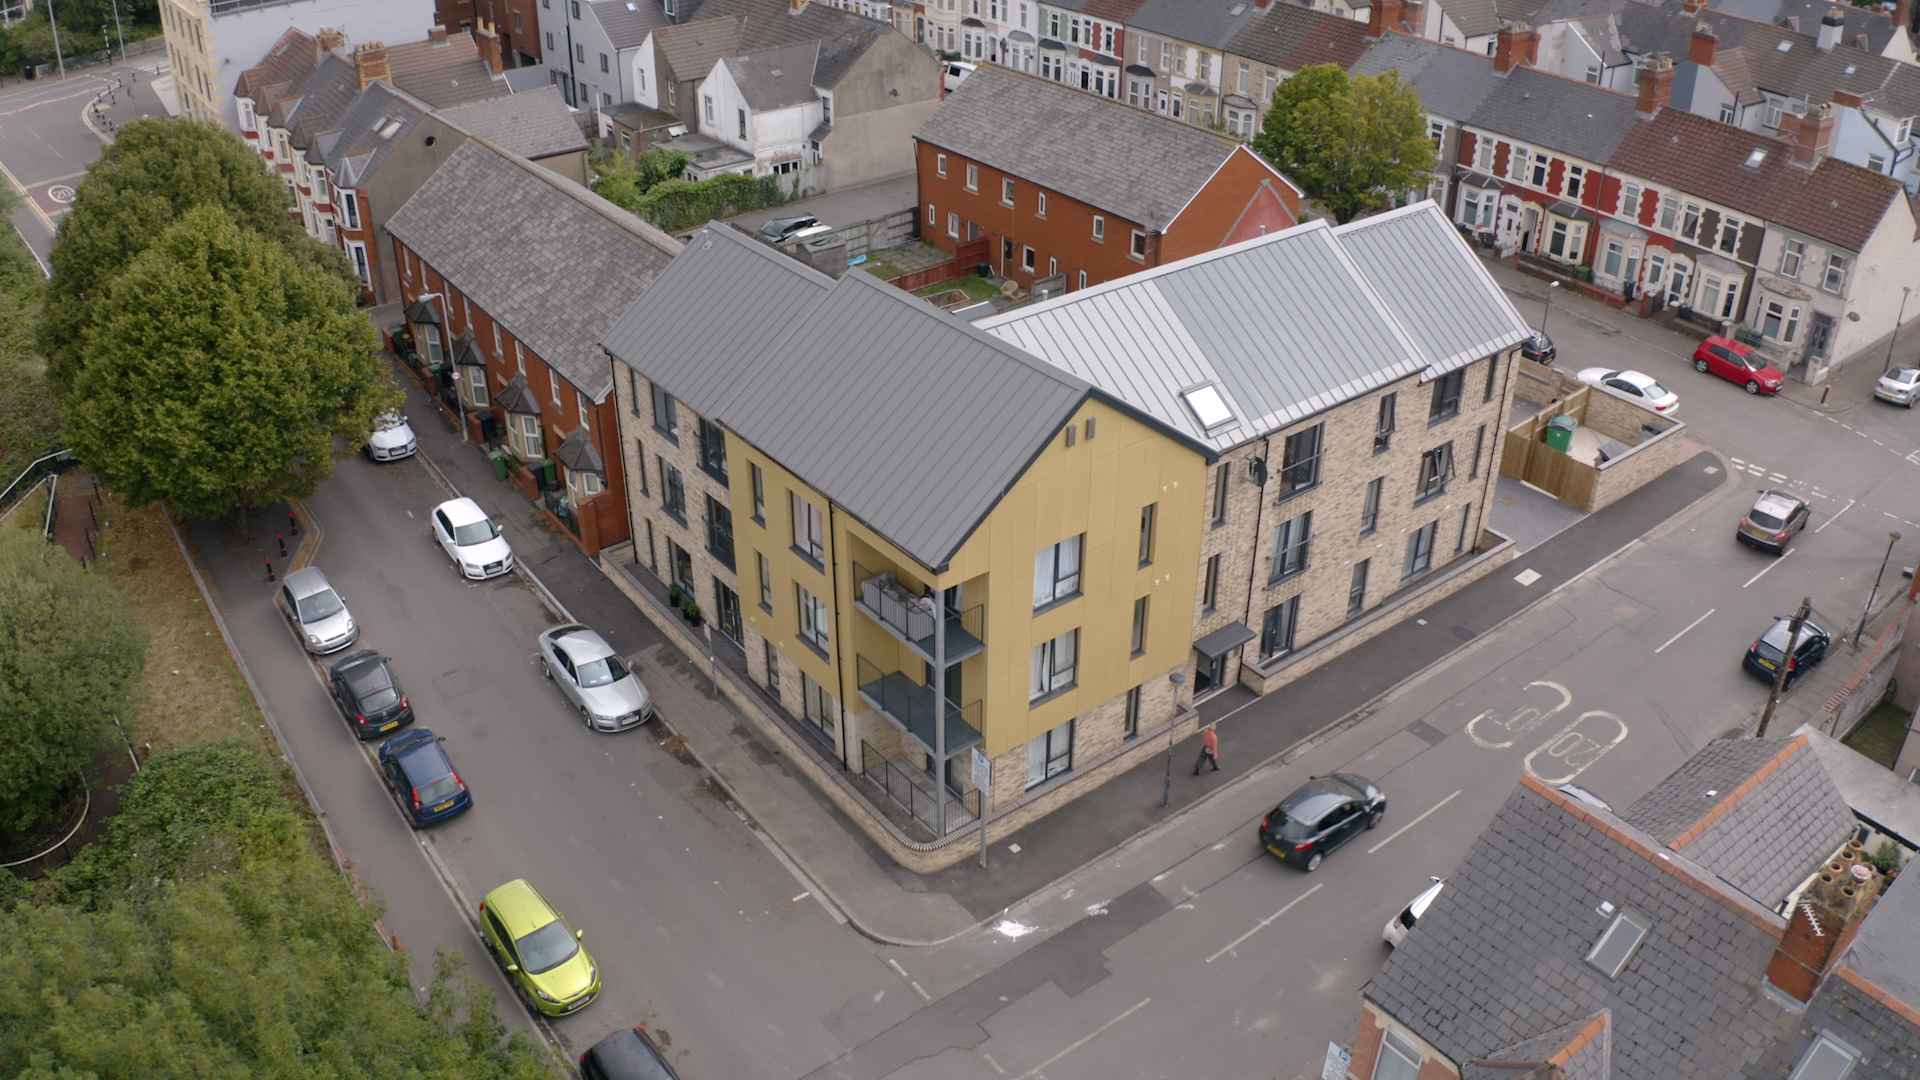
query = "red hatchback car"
x=1736 y=363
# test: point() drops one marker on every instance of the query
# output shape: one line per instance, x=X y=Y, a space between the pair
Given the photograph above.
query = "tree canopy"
x=153 y=172
x=1350 y=143
x=220 y=370
x=71 y=659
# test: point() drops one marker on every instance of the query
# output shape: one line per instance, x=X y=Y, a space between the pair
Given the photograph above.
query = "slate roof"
x=692 y=49
x=534 y=124
x=321 y=99
x=1836 y=202
x=1875 y=24
x=843 y=44
x=735 y=27
x=356 y=150
x=1500 y=956
x=1475 y=18
x=667 y=336
x=289 y=63
x=1290 y=37
x=1450 y=82
x=553 y=262
x=1581 y=1049
x=775 y=78
x=1574 y=117
x=628 y=22
x=1210 y=24
x=1129 y=162
x=453 y=84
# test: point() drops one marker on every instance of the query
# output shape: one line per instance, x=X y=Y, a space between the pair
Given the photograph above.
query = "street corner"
x=53 y=198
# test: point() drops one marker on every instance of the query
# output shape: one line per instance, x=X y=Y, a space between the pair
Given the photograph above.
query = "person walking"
x=1209 y=750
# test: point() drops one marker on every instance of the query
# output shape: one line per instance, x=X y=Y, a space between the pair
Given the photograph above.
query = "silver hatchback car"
x=594 y=678
x=316 y=612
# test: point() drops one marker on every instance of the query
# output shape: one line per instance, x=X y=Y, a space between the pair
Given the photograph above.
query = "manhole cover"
x=1463 y=633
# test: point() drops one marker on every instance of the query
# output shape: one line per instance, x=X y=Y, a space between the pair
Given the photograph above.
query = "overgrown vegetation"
x=29 y=419
x=653 y=185
x=29 y=42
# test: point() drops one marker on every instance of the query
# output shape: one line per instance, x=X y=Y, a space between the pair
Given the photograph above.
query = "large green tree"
x=29 y=419
x=70 y=661
x=221 y=370
x=1351 y=143
x=153 y=172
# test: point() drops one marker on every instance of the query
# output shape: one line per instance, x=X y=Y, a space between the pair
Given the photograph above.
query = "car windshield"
x=601 y=672
x=440 y=790
x=1771 y=646
x=321 y=605
x=1906 y=376
x=1763 y=519
x=546 y=948
x=389 y=421
x=478 y=532
x=1654 y=390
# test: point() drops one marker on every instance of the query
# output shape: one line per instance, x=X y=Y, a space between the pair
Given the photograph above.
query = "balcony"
x=909 y=616
x=912 y=789
x=908 y=705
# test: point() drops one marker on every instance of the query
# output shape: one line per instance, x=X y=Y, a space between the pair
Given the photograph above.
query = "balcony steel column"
x=940 y=711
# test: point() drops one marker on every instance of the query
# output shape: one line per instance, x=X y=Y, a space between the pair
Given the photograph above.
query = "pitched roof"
x=775 y=78
x=1450 y=82
x=1284 y=326
x=290 y=61
x=379 y=119
x=1878 y=28
x=1580 y=1049
x=1291 y=37
x=453 y=84
x=1758 y=812
x=1475 y=18
x=1500 y=956
x=692 y=49
x=628 y=22
x=843 y=44
x=534 y=124
x=1836 y=202
x=1542 y=109
x=321 y=99
x=1209 y=24
x=667 y=336
x=1130 y=162
x=520 y=241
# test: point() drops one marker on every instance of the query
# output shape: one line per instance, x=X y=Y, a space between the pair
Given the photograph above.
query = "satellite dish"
x=1257 y=470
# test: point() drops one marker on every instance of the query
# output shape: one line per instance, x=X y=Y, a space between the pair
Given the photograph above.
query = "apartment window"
x=580 y=53
x=1240 y=77
x=1054 y=663
x=973 y=178
x=1576 y=175
x=1139 y=642
x=603 y=61
x=1290 y=543
x=1300 y=468
x=819 y=708
x=1139 y=250
x=759 y=494
x=1049 y=755
x=549 y=41
x=1053 y=266
x=1166 y=56
x=351 y=204
x=673 y=492
x=1130 y=718
x=1773 y=114
x=1056 y=572
x=1210 y=584
x=528 y=437
x=1479 y=440
x=1383 y=428
x=1147 y=513
x=1835 y=278
x=707 y=101
x=1370 y=506
x=814 y=619
x=1690 y=222
x=1399 y=1060
x=553 y=381
x=1041 y=208
x=1669 y=212
x=1221 y=476
x=1446 y=395
x=1729 y=234
x=1792 y=253
x=1026 y=263
x=953 y=226
x=742 y=114
x=1420 y=550
x=1006 y=192
x=665 y=417
x=933 y=217
x=1083 y=279
x=1357 y=591
x=360 y=267
x=720 y=531
x=1276 y=629
x=773 y=666
x=766 y=582
x=1517 y=162
x=681 y=565
x=940 y=165
x=1100 y=228
x=1436 y=468
x=809 y=534
x=713 y=450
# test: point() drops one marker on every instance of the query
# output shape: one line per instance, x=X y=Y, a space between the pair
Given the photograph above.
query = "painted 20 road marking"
x=1574 y=747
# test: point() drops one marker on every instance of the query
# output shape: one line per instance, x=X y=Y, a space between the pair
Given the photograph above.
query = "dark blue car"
x=421 y=778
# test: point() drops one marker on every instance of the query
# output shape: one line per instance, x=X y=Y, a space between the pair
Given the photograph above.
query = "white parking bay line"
x=1087 y=1038
x=1412 y=823
x=1773 y=564
x=1836 y=516
x=1263 y=924
x=1683 y=633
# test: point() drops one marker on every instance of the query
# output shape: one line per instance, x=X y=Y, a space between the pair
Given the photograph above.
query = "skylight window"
x=391 y=127
x=1617 y=946
x=1785 y=46
x=1208 y=406
x=1827 y=1059
x=1756 y=157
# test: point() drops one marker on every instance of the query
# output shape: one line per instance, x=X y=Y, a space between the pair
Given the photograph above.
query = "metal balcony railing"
x=909 y=705
x=909 y=616
x=913 y=789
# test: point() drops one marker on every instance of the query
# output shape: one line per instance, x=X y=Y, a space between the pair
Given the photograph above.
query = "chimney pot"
x=1811 y=135
x=1656 y=84
x=1705 y=47
x=370 y=63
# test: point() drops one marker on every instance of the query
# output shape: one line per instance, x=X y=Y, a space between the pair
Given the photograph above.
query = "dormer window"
x=1208 y=406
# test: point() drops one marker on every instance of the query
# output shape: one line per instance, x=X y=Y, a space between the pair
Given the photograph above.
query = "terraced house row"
x=1053 y=534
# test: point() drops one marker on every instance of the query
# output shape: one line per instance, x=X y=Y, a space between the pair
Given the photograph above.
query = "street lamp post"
x=1905 y=291
x=57 y=55
x=1166 y=793
x=1551 y=285
x=1892 y=539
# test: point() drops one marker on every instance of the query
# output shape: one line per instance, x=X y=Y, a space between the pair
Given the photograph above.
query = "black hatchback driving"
x=1326 y=812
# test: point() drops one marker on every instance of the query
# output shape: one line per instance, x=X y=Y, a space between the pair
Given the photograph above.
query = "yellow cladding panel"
x=791 y=571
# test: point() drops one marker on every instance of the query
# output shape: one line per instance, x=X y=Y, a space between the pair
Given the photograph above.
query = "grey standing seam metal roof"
x=534 y=124
x=1286 y=325
x=1450 y=82
x=1500 y=956
x=1573 y=117
x=1127 y=161
x=670 y=335
x=775 y=78
x=626 y=28
x=553 y=262
x=1776 y=823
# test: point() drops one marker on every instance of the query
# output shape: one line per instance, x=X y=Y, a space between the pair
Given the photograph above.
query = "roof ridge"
x=1720 y=807
x=626 y=219
x=1593 y=1029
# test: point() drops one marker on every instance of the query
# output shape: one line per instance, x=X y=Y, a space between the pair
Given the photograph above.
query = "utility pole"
x=1786 y=659
x=1166 y=792
x=1866 y=612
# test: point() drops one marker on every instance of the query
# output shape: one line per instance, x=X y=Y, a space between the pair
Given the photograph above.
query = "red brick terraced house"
x=1070 y=190
x=511 y=275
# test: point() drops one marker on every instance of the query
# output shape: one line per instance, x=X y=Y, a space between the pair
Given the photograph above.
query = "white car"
x=1634 y=385
x=471 y=539
x=1399 y=925
x=392 y=439
x=1900 y=386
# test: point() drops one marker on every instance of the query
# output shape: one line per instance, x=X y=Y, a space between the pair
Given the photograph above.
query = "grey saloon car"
x=316 y=612
x=609 y=696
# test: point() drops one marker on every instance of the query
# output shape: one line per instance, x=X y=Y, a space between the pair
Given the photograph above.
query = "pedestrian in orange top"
x=1209 y=750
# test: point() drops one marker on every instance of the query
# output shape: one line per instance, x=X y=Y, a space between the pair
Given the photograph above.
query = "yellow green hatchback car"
x=553 y=973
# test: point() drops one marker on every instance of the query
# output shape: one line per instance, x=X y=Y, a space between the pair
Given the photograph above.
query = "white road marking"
x=1736 y=461
x=1527 y=577
x=1778 y=478
x=1892 y=515
x=895 y=965
x=924 y=996
x=995 y=1064
x=1259 y=926
x=1087 y=1038
x=1683 y=633
x=1771 y=565
x=1576 y=748
x=1412 y=823
x=1836 y=516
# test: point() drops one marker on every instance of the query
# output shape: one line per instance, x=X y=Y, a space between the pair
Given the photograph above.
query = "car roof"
x=1776 y=634
x=1777 y=503
x=1903 y=374
x=1425 y=900
x=1729 y=344
x=1319 y=787
x=520 y=907
x=624 y=1055
x=462 y=511
x=306 y=582
x=365 y=671
x=583 y=643
x=423 y=761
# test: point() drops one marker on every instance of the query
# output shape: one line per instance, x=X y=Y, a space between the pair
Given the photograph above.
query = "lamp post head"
x=1177 y=678
x=1893 y=538
x=1553 y=284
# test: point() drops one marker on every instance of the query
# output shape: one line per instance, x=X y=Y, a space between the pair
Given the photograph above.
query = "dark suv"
x=1326 y=812
x=1764 y=656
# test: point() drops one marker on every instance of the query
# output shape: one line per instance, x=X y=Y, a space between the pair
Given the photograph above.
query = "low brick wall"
x=1868 y=683
x=1623 y=476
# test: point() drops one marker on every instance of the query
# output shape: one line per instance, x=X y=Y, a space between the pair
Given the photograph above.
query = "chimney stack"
x=1383 y=16
x=1411 y=18
x=1514 y=46
x=1847 y=99
x=437 y=34
x=1261 y=3
x=795 y=7
x=1656 y=84
x=370 y=63
x=1705 y=46
x=1693 y=7
x=1832 y=25
x=326 y=41
x=1822 y=926
x=1810 y=134
x=1903 y=14
x=489 y=44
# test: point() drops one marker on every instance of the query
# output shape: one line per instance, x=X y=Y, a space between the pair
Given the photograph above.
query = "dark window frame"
x=1446 y=396
x=1292 y=548
x=1300 y=461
